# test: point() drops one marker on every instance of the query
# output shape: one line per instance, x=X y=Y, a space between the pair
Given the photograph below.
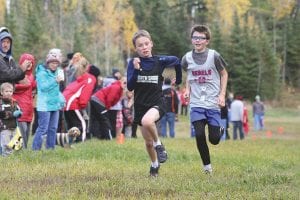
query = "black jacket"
x=171 y=100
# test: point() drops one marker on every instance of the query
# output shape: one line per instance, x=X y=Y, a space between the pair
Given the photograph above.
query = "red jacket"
x=78 y=92
x=183 y=100
x=110 y=95
x=23 y=92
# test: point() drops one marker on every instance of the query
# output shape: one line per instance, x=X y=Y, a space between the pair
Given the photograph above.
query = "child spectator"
x=9 y=112
x=246 y=121
x=23 y=95
x=184 y=103
x=49 y=100
x=237 y=116
x=171 y=101
x=258 y=113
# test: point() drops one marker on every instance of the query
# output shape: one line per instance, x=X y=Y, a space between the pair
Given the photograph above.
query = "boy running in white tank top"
x=206 y=87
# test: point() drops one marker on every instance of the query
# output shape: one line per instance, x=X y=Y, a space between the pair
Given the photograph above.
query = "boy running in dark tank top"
x=144 y=76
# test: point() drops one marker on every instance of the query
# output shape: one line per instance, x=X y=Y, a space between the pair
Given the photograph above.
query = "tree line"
x=259 y=39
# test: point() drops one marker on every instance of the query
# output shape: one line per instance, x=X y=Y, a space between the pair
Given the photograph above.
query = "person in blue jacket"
x=144 y=76
x=49 y=100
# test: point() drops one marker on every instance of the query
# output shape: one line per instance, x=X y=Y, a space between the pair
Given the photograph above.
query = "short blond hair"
x=5 y=86
x=140 y=33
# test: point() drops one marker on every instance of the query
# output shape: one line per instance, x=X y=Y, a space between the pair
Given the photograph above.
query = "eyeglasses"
x=198 y=38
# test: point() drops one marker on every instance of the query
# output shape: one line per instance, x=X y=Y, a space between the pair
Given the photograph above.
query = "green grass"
x=260 y=168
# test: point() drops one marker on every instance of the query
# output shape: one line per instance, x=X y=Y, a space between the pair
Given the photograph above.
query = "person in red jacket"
x=184 y=103
x=246 y=121
x=101 y=102
x=23 y=95
x=77 y=95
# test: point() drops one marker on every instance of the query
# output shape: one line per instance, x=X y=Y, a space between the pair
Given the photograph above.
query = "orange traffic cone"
x=280 y=130
x=269 y=134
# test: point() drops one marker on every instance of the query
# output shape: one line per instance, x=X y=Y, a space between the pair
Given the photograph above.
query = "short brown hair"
x=201 y=29
x=140 y=33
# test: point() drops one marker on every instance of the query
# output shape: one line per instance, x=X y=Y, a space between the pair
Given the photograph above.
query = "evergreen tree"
x=11 y=24
x=217 y=41
x=34 y=39
x=166 y=25
x=237 y=58
x=269 y=69
x=293 y=49
x=249 y=73
x=78 y=40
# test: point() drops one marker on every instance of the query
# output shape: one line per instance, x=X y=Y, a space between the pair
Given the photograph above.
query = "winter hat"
x=70 y=55
x=114 y=71
x=94 y=70
x=257 y=98
x=27 y=56
x=3 y=29
x=54 y=55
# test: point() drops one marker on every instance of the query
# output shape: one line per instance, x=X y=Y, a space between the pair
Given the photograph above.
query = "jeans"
x=24 y=128
x=258 y=122
x=6 y=136
x=168 y=118
x=193 y=134
x=238 y=125
x=224 y=124
x=47 y=125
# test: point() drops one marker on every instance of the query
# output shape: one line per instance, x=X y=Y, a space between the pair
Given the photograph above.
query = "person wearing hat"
x=49 y=100
x=9 y=71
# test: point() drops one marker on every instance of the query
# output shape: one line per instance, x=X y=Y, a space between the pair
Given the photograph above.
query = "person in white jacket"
x=237 y=112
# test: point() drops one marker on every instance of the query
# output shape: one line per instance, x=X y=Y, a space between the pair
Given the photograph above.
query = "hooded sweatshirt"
x=9 y=71
x=23 y=91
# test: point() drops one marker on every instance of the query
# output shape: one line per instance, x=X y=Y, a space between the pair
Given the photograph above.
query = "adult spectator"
x=9 y=71
x=237 y=116
x=258 y=113
x=171 y=101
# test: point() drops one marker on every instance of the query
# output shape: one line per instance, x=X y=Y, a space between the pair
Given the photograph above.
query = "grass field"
x=260 y=167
